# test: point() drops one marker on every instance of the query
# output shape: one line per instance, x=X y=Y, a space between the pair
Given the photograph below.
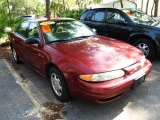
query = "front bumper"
x=108 y=91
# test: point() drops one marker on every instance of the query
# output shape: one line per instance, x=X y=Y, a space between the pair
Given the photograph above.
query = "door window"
x=33 y=31
x=21 y=30
x=99 y=16
x=113 y=17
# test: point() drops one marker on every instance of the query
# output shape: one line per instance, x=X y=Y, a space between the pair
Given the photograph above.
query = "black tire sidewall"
x=65 y=92
x=152 y=49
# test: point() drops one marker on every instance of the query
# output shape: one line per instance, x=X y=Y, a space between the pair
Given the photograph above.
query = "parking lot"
x=142 y=103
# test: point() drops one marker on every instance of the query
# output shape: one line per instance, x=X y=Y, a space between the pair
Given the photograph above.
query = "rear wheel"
x=146 y=47
x=59 y=85
x=15 y=57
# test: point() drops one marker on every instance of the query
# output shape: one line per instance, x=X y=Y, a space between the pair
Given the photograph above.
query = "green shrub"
x=72 y=14
x=6 y=21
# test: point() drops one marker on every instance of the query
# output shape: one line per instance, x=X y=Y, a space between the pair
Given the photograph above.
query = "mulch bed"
x=5 y=52
x=52 y=111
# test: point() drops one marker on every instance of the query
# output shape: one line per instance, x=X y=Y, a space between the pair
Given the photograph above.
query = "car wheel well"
x=136 y=37
x=11 y=45
x=48 y=67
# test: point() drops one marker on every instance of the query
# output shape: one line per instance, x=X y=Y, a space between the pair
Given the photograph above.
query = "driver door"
x=34 y=53
x=114 y=28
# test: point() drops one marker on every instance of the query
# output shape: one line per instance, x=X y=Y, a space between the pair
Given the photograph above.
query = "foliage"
x=56 y=7
x=73 y=13
x=11 y=9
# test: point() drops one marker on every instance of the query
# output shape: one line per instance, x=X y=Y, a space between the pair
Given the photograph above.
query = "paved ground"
x=14 y=102
x=142 y=103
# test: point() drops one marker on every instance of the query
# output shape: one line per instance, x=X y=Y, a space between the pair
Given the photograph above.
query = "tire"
x=59 y=85
x=147 y=47
x=15 y=56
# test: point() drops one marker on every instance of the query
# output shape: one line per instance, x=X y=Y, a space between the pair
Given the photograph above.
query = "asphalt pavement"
x=14 y=102
x=142 y=103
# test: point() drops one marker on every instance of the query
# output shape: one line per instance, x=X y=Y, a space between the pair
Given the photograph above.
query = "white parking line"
x=156 y=72
x=29 y=89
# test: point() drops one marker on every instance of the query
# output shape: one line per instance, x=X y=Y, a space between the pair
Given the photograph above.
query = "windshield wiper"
x=50 y=42
x=81 y=37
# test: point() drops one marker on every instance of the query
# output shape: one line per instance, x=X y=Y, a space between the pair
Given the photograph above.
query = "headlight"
x=102 y=76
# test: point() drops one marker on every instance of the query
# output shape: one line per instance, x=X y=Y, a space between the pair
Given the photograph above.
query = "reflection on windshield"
x=139 y=17
x=65 y=31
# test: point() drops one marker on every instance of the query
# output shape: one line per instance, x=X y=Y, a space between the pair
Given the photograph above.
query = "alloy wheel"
x=14 y=54
x=56 y=84
x=143 y=47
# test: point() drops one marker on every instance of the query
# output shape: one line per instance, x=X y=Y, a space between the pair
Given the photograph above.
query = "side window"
x=22 y=29
x=99 y=16
x=33 y=31
x=113 y=17
x=87 y=15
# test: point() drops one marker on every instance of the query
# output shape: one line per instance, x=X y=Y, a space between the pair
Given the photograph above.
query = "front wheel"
x=146 y=47
x=59 y=85
x=15 y=57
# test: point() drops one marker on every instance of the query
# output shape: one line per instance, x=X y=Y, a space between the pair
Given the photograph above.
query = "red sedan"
x=78 y=62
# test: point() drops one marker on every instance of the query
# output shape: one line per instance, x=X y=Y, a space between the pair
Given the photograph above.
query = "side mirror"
x=94 y=30
x=122 y=22
x=32 y=41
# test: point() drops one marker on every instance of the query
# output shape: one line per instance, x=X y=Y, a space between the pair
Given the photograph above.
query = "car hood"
x=100 y=54
x=155 y=26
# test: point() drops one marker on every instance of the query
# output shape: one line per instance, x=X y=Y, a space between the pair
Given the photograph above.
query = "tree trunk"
x=156 y=8
x=48 y=9
x=152 y=9
x=9 y=10
x=121 y=3
x=63 y=6
x=142 y=6
x=147 y=6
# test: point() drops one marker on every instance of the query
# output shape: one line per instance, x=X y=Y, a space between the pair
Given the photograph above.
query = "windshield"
x=139 y=17
x=64 y=31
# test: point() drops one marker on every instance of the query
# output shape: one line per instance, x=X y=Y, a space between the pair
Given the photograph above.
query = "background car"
x=76 y=61
x=129 y=25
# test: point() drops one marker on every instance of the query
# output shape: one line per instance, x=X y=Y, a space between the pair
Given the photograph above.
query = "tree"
x=97 y=1
x=142 y=5
x=156 y=7
x=147 y=6
x=121 y=3
x=48 y=9
x=152 y=9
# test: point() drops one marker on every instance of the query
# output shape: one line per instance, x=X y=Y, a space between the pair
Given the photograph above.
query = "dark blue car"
x=129 y=25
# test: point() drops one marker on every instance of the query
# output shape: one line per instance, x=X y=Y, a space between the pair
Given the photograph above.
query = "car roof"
x=52 y=19
x=121 y=9
x=104 y=9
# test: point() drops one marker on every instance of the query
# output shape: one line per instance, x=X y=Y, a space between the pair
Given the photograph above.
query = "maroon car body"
x=90 y=55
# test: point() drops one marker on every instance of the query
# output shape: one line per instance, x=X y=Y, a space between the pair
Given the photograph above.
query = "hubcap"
x=56 y=84
x=144 y=48
x=14 y=54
